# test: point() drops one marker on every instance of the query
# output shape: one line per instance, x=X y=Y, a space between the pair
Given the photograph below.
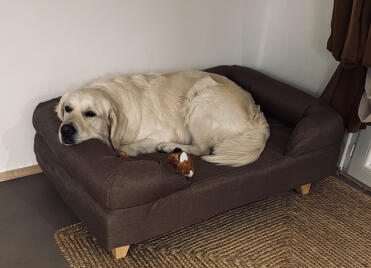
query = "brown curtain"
x=350 y=44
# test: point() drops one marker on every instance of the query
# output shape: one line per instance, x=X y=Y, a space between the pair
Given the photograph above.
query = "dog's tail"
x=242 y=149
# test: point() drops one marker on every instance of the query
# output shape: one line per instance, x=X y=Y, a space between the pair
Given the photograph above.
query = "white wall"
x=51 y=46
x=48 y=47
x=287 y=40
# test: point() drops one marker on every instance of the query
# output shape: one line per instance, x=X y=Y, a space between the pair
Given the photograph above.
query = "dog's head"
x=89 y=113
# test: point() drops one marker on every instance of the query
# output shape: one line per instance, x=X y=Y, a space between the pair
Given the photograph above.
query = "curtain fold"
x=364 y=110
x=350 y=44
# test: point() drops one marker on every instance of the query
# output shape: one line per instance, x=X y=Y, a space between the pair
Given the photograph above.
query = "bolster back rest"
x=274 y=97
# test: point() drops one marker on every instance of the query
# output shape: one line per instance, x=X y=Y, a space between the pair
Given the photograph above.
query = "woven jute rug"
x=328 y=228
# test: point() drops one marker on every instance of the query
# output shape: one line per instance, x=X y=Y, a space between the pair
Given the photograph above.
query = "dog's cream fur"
x=199 y=112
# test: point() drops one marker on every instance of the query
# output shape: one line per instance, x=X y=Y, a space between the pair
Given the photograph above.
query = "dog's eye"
x=68 y=109
x=89 y=114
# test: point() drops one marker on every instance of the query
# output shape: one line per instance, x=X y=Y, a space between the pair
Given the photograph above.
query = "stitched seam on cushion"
x=109 y=191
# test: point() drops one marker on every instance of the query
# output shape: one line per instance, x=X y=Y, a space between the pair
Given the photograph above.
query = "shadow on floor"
x=31 y=212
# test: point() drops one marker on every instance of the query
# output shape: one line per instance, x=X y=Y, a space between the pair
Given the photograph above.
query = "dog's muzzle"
x=68 y=132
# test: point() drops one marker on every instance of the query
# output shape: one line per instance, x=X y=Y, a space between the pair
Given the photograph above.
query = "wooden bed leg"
x=120 y=252
x=304 y=189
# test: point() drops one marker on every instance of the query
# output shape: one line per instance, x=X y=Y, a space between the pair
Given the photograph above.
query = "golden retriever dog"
x=201 y=113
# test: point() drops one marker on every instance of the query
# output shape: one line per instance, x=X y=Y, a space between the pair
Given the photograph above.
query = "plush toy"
x=181 y=162
x=178 y=159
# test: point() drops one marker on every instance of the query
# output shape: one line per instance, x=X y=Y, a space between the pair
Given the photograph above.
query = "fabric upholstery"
x=124 y=202
x=320 y=127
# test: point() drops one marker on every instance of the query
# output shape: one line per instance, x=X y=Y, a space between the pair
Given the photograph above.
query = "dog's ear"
x=59 y=109
x=123 y=125
x=115 y=129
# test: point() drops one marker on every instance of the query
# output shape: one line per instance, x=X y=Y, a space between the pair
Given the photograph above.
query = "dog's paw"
x=166 y=147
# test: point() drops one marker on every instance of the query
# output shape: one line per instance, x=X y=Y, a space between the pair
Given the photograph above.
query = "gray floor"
x=30 y=213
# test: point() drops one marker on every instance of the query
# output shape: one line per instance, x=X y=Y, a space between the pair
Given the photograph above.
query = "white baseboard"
x=19 y=172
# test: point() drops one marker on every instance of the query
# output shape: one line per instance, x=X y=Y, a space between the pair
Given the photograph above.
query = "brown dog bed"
x=125 y=202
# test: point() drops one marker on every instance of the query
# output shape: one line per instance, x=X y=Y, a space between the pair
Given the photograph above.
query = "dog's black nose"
x=67 y=131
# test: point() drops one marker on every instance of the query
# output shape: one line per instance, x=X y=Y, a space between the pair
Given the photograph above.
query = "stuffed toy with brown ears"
x=181 y=161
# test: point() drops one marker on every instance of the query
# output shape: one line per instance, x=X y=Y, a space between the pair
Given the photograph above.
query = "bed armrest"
x=320 y=127
x=274 y=97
